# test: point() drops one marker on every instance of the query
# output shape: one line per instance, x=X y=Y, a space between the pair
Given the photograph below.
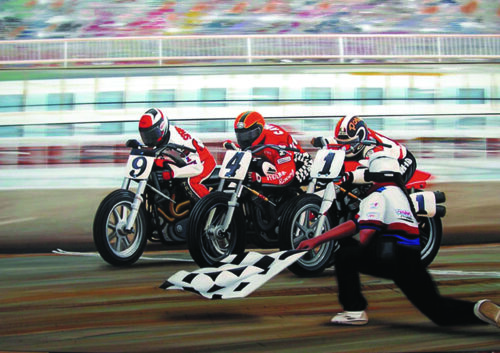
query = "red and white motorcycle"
x=327 y=204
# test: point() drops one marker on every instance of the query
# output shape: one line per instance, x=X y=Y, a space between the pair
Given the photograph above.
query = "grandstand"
x=67 y=117
x=32 y=19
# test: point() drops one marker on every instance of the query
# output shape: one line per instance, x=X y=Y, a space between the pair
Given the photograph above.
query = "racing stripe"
x=244 y=116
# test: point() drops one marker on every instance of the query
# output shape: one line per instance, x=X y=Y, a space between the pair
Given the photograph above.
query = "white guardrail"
x=170 y=50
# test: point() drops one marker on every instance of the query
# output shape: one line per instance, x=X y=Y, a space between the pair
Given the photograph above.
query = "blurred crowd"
x=38 y=19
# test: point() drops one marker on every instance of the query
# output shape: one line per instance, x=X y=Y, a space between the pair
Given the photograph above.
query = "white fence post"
x=249 y=50
x=341 y=49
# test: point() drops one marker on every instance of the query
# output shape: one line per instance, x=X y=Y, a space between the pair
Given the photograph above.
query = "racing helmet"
x=248 y=127
x=154 y=128
x=383 y=167
x=351 y=130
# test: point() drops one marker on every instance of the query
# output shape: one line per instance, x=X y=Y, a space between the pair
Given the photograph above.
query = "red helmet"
x=351 y=130
x=248 y=127
x=153 y=128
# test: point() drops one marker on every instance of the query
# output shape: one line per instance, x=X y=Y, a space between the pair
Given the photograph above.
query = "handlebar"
x=175 y=147
x=322 y=143
x=258 y=148
x=373 y=142
x=160 y=150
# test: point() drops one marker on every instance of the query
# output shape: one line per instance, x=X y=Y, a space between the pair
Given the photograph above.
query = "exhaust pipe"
x=440 y=211
x=440 y=196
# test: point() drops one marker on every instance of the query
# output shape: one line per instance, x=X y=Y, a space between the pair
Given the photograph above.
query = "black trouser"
x=386 y=259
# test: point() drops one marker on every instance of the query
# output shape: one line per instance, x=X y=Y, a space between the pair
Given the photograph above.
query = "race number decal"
x=327 y=164
x=139 y=166
x=424 y=203
x=235 y=165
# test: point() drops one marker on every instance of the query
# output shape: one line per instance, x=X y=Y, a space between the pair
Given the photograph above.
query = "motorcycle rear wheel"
x=115 y=246
x=299 y=223
x=431 y=233
x=206 y=243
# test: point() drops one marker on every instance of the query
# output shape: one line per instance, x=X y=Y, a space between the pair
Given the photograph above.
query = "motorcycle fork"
x=126 y=183
x=136 y=205
x=328 y=197
x=312 y=186
x=326 y=203
x=231 y=205
x=138 y=199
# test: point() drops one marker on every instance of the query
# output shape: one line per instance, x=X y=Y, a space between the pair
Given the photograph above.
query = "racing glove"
x=346 y=179
x=303 y=162
x=230 y=145
x=132 y=143
x=254 y=178
x=319 y=142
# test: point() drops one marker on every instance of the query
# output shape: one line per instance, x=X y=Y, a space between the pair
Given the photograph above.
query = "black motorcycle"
x=157 y=210
x=222 y=222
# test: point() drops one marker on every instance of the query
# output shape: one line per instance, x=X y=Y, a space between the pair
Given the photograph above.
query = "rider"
x=388 y=247
x=277 y=167
x=156 y=131
x=350 y=131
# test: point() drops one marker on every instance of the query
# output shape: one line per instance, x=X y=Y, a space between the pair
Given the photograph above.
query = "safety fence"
x=250 y=49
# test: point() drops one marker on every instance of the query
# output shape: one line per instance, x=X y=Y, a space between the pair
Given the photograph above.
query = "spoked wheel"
x=115 y=245
x=431 y=232
x=208 y=243
x=299 y=223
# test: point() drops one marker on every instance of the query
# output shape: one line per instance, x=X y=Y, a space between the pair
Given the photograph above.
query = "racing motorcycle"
x=327 y=204
x=157 y=210
x=219 y=222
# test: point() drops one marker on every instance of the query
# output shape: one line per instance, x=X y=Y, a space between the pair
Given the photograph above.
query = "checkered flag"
x=235 y=276
x=303 y=163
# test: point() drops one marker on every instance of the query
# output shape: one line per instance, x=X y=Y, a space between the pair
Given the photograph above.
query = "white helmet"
x=350 y=131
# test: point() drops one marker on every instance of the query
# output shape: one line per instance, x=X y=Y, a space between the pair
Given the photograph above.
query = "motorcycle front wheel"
x=299 y=222
x=207 y=242
x=114 y=244
x=431 y=232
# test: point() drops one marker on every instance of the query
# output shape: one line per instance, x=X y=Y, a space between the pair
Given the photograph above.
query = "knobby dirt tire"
x=206 y=248
x=119 y=249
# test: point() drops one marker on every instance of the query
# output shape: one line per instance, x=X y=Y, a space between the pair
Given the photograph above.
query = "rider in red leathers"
x=350 y=131
x=156 y=131
x=277 y=167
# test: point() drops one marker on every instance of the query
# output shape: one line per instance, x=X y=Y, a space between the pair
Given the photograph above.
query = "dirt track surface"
x=43 y=220
x=65 y=303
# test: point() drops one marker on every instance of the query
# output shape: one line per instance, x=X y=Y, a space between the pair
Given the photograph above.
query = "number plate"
x=327 y=164
x=139 y=166
x=235 y=165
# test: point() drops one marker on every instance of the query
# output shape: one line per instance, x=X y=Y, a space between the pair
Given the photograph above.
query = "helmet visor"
x=246 y=137
x=150 y=136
